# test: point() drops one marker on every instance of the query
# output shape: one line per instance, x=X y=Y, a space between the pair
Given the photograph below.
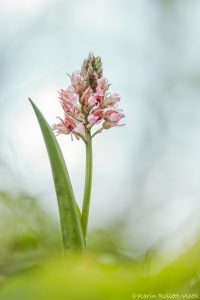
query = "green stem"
x=88 y=186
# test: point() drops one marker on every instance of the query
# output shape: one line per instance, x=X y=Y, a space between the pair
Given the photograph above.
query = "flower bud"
x=78 y=82
x=91 y=70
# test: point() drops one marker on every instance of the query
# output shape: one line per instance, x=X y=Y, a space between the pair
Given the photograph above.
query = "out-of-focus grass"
x=27 y=232
x=88 y=278
x=32 y=265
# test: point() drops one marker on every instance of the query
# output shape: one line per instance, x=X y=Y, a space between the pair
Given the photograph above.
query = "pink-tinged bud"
x=102 y=85
x=78 y=82
x=92 y=65
x=68 y=95
x=91 y=70
x=76 y=77
x=71 y=94
x=85 y=97
x=67 y=106
x=68 y=101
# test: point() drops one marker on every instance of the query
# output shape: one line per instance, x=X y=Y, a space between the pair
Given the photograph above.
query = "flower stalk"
x=88 y=186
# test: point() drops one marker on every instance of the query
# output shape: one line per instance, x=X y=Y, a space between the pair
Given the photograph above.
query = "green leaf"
x=72 y=235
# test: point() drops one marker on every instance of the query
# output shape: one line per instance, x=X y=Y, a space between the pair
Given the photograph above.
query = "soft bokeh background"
x=147 y=173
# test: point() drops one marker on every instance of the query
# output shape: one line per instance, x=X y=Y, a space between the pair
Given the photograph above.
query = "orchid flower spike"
x=86 y=102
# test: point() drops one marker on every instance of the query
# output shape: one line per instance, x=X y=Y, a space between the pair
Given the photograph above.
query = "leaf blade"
x=72 y=235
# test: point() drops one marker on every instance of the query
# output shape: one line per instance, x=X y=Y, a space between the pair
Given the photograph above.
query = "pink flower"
x=80 y=128
x=92 y=100
x=95 y=117
x=66 y=126
x=68 y=99
x=95 y=99
x=60 y=128
x=111 y=100
x=69 y=123
x=112 y=118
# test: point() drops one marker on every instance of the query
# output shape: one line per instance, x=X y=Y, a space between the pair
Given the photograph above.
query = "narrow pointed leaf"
x=69 y=215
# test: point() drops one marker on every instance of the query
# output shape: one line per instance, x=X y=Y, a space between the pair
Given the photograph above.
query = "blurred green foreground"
x=32 y=265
